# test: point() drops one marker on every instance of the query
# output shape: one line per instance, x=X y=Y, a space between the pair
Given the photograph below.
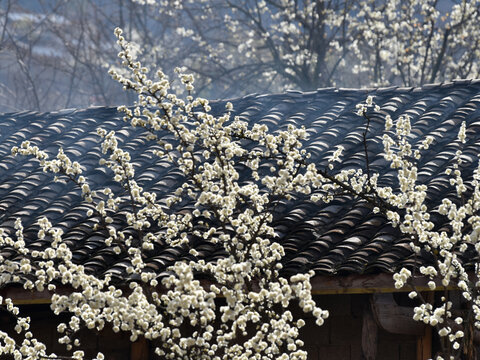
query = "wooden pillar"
x=424 y=342
x=369 y=334
x=424 y=345
x=139 y=349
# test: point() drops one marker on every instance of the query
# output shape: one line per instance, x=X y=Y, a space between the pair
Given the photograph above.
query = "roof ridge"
x=400 y=88
x=58 y=112
x=287 y=93
x=366 y=90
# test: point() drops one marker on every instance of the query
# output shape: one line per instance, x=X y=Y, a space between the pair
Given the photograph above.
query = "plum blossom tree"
x=448 y=246
x=233 y=213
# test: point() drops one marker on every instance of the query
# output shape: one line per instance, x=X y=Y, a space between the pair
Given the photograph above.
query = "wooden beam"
x=20 y=296
x=321 y=285
x=365 y=284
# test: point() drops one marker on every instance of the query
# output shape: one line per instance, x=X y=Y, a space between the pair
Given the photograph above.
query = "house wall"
x=340 y=338
x=44 y=327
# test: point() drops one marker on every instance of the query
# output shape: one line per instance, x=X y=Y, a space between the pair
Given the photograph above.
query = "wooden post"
x=369 y=334
x=139 y=349
x=424 y=342
x=424 y=345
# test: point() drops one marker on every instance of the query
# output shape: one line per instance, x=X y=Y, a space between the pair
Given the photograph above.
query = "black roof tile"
x=341 y=237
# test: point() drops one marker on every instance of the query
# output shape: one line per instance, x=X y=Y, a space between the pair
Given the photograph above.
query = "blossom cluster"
x=412 y=214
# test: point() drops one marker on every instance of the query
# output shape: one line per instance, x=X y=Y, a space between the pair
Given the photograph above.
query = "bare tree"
x=55 y=55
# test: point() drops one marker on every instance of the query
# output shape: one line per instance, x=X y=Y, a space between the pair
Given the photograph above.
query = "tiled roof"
x=341 y=237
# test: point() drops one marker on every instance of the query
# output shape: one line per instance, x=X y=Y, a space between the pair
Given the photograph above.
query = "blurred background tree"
x=55 y=53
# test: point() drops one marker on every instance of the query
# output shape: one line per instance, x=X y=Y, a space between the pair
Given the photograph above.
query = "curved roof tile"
x=341 y=237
